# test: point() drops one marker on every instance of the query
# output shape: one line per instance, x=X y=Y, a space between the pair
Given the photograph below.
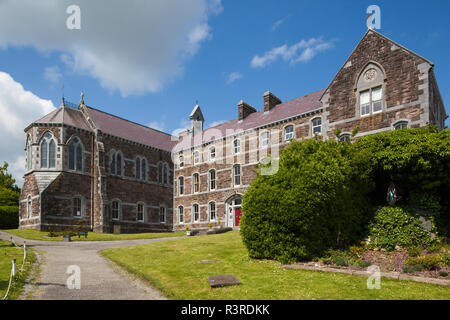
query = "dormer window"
x=212 y=153
x=237 y=146
x=181 y=161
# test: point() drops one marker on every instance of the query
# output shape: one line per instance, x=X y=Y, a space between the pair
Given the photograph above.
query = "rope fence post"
x=14 y=267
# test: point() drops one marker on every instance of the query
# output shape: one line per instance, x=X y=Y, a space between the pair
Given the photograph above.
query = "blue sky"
x=215 y=66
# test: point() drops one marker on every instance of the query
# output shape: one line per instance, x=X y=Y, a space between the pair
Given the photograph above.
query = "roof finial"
x=196 y=102
x=63 y=95
x=82 y=98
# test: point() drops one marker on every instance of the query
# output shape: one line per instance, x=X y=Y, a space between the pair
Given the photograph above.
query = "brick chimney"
x=270 y=101
x=244 y=109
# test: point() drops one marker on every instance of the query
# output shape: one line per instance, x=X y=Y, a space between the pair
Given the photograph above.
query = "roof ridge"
x=112 y=115
x=262 y=111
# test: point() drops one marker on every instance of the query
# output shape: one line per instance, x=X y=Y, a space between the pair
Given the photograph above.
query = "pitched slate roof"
x=258 y=119
x=130 y=130
x=65 y=115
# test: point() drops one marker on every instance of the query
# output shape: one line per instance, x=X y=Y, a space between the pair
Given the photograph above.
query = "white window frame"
x=264 y=141
x=371 y=103
x=181 y=186
x=181 y=161
x=195 y=205
x=401 y=123
x=212 y=211
x=196 y=174
x=79 y=198
x=212 y=180
x=239 y=176
x=237 y=146
x=162 y=213
x=196 y=157
x=47 y=138
x=314 y=126
x=180 y=214
x=119 y=210
x=290 y=135
x=143 y=212
x=212 y=153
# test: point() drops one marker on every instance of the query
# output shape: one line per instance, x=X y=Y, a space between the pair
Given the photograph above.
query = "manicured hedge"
x=320 y=190
x=9 y=217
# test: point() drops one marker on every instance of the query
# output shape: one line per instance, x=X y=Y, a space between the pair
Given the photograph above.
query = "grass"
x=7 y=253
x=173 y=267
x=92 y=236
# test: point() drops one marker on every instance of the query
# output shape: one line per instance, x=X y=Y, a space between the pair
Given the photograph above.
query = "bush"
x=427 y=262
x=443 y=274
x=9 y=217
x=445 y=259
x=356 y=251
x=412 y=269
x=414 y=251
x=394 y=226
x=320 y=190
x=418 y=162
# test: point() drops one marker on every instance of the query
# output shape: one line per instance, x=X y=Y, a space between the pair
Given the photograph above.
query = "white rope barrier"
x=13 y=267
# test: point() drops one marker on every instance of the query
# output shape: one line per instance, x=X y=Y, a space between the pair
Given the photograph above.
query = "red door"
x=237 y=216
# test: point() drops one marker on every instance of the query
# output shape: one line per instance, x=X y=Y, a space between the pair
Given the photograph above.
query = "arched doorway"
x=234 y=210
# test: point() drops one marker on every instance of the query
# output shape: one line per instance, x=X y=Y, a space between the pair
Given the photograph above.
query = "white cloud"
x=132 y=46
x=18 y=108
x=279 y=23
x=157 y=125
x=232 y=77
x=53 y=74
x=302 y=51
x=216 y=123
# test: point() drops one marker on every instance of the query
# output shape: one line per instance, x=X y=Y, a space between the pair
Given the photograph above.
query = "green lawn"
x=174 y=268
x=7 y=253
x=92 y=236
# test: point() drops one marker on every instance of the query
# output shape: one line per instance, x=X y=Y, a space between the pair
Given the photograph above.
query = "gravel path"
x=100 y=279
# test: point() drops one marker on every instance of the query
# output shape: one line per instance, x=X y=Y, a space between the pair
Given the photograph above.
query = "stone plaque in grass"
x=208 y=261
x=223 y=281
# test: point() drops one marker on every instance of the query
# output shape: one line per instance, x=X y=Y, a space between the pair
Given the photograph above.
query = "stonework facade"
x=87 y=167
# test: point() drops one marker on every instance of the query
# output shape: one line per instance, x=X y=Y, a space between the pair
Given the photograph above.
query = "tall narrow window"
x=77 y=207
x=180 y=214
x=377 y=95
x=237 y=146
x=317 y=126
x=288 y=133
x=264 y=139
x=48 y=151
x=140 y=212
x=212 y=211
x=196 y=213
x=76 y=155
x=364 y=100
x=29 y=207
x=212 y=180
x=181 y=161
x=119 y=164
x=144 y=169
x=166 y=173
x=52 y=154
x=212 y=153
x=29 y=155
x=237 y=175
x=115 y=210
x=196 y=182
x=180 y=186
x=113 y=163
x=162 y=215
x=160 y=173
x=138 y=168
x=196 y=157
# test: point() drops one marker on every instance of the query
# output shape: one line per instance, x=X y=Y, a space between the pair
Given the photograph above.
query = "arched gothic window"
x=48 y=152
x=76 y=155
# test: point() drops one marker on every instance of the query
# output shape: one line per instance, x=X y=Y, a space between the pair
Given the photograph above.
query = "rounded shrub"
x=9 y=217
x=394 y=226
x=296 y=214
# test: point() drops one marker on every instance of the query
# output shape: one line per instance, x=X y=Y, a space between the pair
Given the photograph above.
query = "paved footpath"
x=100 y=278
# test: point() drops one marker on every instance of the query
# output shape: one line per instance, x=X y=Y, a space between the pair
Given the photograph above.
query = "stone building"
x=87 y=166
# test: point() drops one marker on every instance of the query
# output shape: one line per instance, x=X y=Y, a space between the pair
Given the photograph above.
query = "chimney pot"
x=244 y=109
x=270 y=101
